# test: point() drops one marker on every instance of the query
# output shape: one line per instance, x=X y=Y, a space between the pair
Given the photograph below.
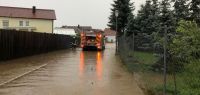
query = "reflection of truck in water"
x=92 y=40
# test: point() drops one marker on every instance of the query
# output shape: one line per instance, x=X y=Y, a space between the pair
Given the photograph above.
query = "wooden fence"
x=14 y=44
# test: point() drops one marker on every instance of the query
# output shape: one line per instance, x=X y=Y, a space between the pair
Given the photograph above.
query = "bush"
x=185 y=51
x=186 y=44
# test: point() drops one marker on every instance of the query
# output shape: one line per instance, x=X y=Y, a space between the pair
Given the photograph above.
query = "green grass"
x=143 y=61
x=152 y=82
x=142 y=65
x=188 y=81
x=145 y=57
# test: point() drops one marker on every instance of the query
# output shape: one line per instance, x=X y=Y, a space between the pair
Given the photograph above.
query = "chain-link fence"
x=145 y=59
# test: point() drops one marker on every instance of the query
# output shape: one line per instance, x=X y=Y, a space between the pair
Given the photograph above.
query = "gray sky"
x=94 y=13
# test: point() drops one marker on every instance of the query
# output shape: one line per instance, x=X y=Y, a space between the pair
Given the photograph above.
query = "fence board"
x=14 y=44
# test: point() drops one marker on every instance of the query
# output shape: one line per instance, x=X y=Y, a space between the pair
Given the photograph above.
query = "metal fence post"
x=117 y=38
x=165 y=60
x=133 y=43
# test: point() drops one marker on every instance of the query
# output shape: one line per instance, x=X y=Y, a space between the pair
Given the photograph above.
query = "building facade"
x=79 y=28
x=110 y=35
x=27 y=19
x=64 y=31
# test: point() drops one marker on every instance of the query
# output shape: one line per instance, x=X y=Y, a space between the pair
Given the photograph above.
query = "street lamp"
x=116 y=13
x=117 y=45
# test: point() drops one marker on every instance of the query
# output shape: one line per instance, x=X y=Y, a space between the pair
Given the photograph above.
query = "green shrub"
x=186 y=44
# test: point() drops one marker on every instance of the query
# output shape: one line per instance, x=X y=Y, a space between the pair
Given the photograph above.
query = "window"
x=5 y=23
x=21 y=23
x=27 y=23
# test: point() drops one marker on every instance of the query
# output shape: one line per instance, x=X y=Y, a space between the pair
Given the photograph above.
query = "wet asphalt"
x=68 y=72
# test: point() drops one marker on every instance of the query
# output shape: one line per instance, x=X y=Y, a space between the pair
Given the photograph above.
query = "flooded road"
x=67 y=73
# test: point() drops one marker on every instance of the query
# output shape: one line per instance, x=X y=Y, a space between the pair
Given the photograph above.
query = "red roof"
x=17 y=12
x=109 y=32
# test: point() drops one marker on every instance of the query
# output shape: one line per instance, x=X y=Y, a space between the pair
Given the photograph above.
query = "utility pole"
x=165 y=60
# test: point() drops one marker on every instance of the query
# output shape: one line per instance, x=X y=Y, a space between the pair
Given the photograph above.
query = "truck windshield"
x=90 y=38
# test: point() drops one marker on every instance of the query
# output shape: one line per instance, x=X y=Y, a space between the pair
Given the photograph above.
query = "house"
x=110 y=35
x=79 y=28
x=27 y=19
x=65 y=31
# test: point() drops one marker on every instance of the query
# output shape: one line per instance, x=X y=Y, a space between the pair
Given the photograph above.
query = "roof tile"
x=17 y=12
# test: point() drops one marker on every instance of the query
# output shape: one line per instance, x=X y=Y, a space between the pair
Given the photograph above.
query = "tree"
x=167 y=17
x=186 y=43
x=143 y=18
x=181 y=9
x=155 y=15
x=185 y=50
x=125 y=8
x=130 y=28
x=195 y=10
x=147 y=19
x=167 y=22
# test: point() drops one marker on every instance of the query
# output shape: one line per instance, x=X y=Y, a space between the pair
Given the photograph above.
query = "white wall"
x=40 y=25
x=111 y=38
x=64 y=31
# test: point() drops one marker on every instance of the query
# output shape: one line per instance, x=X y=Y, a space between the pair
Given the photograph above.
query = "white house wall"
x=40 y=25
x=111 y=38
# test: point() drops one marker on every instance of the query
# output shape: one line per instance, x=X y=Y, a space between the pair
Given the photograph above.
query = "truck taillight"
x=82 y=34
x=100 y=35
x=82 y=46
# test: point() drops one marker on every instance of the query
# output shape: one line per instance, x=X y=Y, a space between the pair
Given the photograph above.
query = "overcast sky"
x=93 y=13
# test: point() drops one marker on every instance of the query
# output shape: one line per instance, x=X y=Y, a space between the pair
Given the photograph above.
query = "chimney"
x=34 y=10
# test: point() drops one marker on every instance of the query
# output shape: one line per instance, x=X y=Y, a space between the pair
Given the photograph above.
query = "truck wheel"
x=83 y=49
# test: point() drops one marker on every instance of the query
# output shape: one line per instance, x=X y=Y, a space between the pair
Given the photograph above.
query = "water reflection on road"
x=68 y=73
x=95 y=60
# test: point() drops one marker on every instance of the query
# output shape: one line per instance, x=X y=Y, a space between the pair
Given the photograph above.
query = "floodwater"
x=68 y=73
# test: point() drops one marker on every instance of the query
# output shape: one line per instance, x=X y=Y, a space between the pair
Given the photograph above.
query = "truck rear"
x=92 y=40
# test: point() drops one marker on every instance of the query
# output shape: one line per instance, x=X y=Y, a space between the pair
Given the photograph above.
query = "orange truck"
x=92 y=40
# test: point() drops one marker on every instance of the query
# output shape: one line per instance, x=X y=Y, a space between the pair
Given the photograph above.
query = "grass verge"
x=151 y=82
x=141 y=65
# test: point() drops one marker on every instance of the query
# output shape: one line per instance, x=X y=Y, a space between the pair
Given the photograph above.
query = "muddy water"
x=67 y=73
